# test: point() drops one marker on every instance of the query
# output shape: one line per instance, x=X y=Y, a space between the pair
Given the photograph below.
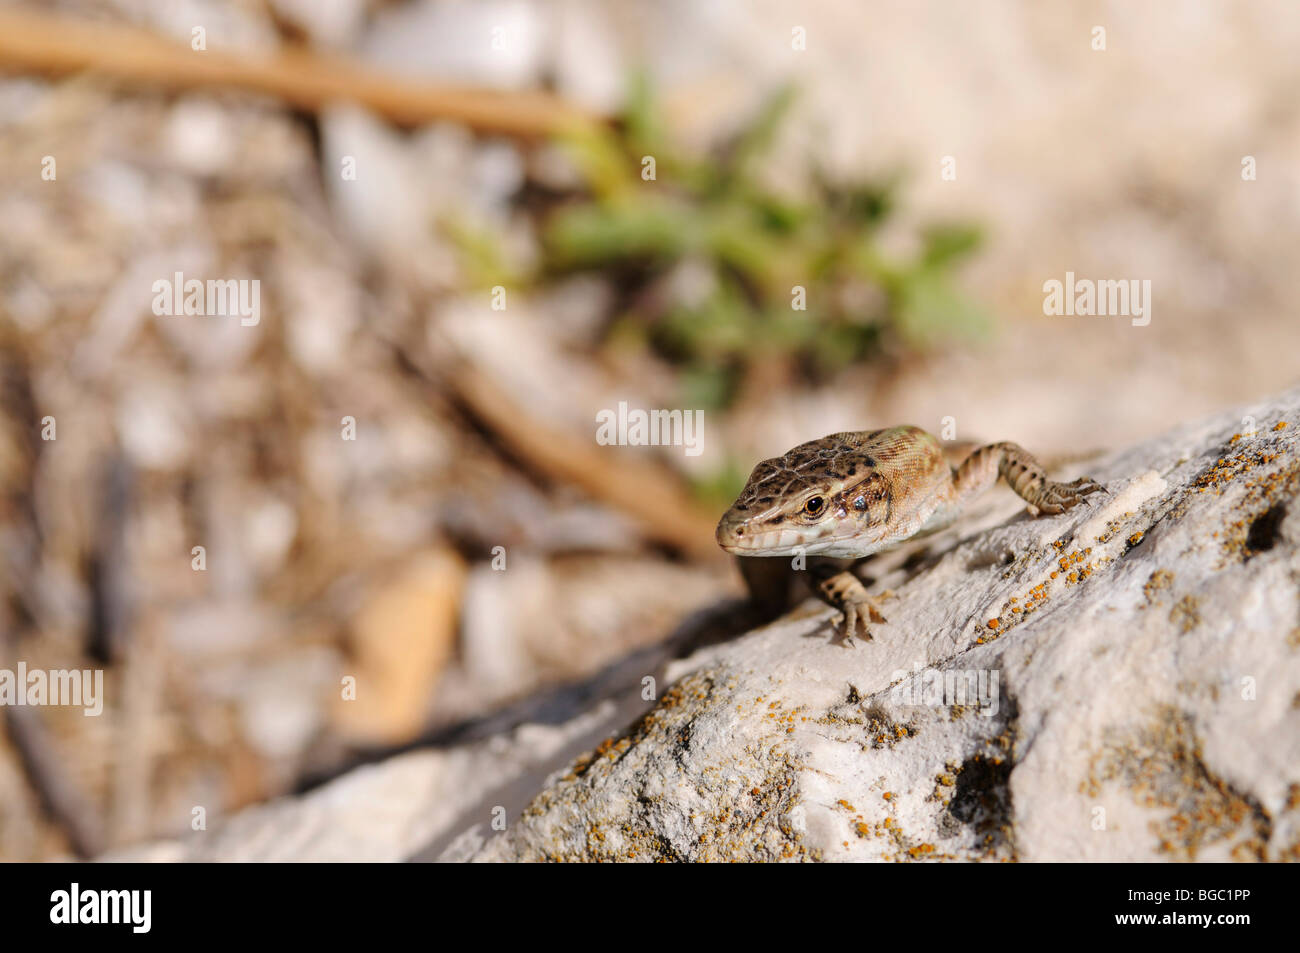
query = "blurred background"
x=464 y=256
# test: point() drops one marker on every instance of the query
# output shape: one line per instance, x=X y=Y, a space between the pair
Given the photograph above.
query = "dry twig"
x=310 y=80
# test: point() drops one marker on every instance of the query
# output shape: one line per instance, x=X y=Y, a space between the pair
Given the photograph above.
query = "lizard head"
x=824 y=497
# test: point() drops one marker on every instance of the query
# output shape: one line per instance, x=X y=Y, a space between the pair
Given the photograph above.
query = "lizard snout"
x=748 y=536
x=731 y=533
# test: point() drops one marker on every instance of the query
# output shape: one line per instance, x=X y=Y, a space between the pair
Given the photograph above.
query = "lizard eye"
x=860 y=504
x=814 y=506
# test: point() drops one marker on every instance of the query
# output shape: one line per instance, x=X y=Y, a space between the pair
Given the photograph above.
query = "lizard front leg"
x=1023 y=473
x=768 y=580
x=841 y=589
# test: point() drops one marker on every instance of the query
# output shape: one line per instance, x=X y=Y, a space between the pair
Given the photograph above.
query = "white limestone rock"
x=1147 y=664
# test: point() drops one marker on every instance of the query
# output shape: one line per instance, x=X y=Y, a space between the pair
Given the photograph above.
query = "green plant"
x=744 y=248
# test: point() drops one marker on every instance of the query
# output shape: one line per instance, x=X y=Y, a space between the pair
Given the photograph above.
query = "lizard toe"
x=854 y=622
x=1086 y=485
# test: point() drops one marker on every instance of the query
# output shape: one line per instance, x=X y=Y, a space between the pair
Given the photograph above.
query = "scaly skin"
x=857 y=493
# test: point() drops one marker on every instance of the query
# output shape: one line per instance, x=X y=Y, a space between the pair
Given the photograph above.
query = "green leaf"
x=601 y=160
x=588 y=235
x=481 y=255
x=720 y=487
x=642 y=124
x=758 y=134
x=708 y=386
x=945 y=244
x=928 y=312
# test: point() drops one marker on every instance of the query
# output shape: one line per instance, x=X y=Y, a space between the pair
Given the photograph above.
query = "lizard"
x=853 y=494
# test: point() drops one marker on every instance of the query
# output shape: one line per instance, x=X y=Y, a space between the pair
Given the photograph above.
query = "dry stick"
x=58 y=793
x=645 y=491
x=46 y=768
x=57 y=46
x=46 y=771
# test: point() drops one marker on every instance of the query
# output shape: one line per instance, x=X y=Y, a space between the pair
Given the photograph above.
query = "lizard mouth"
x=741 y=540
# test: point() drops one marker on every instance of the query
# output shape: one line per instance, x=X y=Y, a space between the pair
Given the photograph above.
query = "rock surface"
x=1134 y=694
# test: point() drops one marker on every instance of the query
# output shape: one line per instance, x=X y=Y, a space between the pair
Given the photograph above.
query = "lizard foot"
x=845 y=591
x=1056 y=498
x=858 y=611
